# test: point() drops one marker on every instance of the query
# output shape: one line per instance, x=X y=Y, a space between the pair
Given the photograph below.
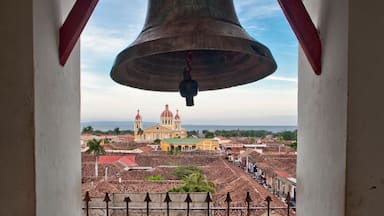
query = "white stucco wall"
x=40 y=110
x=57 y=114
x=365 y=148
x=17 y=179
x=322 y=117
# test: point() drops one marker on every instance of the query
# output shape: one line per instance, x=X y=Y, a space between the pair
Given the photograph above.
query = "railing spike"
x=228 y=198
x=167 y=198
x=248 y=199
x=188 y=198
x=87 y=199
x=106 y=198
x=208 y=198
x=127 y=200
x=268 y=199
x=147 y=198
x=288 y=201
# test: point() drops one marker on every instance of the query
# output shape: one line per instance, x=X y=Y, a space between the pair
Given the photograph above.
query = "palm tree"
x=195 y=182
x=96 y=149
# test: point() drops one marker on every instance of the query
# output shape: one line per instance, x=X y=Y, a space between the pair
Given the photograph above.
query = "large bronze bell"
x=222 y=53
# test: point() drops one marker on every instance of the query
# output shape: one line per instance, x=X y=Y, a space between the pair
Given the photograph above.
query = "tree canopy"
x=87 y=130
x=95 y=147
x=195 y=182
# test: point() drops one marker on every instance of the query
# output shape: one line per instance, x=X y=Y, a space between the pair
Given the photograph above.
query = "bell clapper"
x=188 y=88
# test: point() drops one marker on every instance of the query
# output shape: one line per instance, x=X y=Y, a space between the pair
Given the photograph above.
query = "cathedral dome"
x=138 y=116
x=166 y=113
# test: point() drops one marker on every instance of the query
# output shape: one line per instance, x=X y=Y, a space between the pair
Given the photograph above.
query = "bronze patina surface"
x=223 y=54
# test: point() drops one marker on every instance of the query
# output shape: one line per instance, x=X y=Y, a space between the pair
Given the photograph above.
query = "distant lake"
x=128 y=125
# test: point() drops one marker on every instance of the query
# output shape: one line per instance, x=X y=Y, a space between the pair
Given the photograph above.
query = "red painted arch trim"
x=305 y=31
x=71 y=30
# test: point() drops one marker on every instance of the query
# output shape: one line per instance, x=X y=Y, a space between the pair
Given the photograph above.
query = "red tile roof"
x=108 y=159
x=128 y=161
x=146 y=149
x=125 y=160
x=282 y=173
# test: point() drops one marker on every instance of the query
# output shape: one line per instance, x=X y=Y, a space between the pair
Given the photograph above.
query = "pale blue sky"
x=116 y=23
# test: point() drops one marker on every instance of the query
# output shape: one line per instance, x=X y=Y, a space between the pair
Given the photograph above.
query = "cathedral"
x=170 y=127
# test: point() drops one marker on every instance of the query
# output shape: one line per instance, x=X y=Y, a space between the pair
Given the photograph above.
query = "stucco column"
x=340 y=149
x=40 y=109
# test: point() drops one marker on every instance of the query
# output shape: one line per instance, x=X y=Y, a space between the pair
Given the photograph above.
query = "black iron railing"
x=209 y=209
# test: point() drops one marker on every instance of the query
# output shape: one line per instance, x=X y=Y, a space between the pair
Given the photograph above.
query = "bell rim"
x=129 y=54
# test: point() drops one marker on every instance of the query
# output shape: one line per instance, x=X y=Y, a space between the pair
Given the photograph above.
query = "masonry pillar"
x=40 y=110
x=341 y=113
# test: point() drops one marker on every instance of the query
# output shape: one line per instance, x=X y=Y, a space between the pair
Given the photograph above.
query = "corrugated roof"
x=184 y=141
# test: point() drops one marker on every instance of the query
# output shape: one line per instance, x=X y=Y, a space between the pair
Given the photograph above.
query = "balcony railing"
x=205 y=208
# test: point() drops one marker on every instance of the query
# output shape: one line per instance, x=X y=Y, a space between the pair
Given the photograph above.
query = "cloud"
x=256 y=9
x=101 y=42
x=279 y=78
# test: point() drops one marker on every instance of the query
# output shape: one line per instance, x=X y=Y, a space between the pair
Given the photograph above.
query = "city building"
x=170 y=127
x=189 y=144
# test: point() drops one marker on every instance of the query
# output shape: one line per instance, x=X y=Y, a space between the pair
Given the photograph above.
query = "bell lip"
x=126 y=56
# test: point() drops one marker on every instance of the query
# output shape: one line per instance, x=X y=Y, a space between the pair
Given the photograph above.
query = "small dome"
x=166 y=113
x=138 y=116
x=177 y=117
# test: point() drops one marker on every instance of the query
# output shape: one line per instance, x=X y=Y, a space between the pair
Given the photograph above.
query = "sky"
x=116 y=23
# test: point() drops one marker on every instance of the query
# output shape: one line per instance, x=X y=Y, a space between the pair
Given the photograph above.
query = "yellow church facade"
x=169 y=127
x=189 y=144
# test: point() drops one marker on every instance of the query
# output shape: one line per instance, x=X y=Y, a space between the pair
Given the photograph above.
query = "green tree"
x=116 y=131
x=95 y=148
x=157 y=141
x=192 y=133
x=183 y=171
x=294 y=145
x=287 y=135
x=209 y=134
x=195 y=182
x=154 y=178
x=87 y=130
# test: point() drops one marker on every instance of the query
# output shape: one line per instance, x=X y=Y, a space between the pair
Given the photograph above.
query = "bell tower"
x=177 y=121
x=138 y=125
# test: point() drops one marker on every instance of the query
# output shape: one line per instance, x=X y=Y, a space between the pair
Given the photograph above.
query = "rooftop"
x=185 y=141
